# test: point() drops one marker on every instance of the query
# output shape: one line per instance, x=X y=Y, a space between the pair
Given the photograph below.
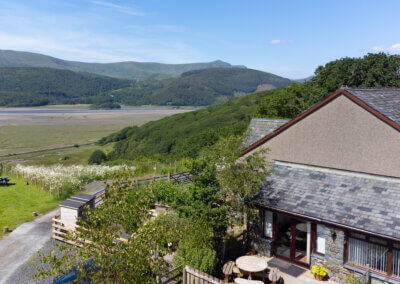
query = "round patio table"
x=251 y=264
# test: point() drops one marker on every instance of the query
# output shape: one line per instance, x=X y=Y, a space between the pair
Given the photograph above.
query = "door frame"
x=292 y=258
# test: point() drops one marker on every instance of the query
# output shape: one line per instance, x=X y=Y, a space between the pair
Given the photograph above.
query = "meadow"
x=19 y=200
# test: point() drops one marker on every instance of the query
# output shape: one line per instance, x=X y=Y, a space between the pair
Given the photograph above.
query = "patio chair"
x=227 y=270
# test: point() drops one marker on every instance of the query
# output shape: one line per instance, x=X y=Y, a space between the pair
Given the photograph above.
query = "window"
x=268 y=220
x=365 y=253
x=320 y=243
x=363 y=250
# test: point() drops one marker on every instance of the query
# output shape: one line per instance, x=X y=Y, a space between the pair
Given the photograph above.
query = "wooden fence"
x=194 y=276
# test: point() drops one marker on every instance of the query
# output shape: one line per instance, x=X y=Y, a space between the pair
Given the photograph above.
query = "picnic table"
x=4 y=180
x=251 y=264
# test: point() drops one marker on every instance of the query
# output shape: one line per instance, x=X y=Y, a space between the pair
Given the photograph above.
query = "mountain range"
x=123 y=70
x=29 y=79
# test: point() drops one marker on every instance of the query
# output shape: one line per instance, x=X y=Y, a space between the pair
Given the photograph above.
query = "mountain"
x=199 y=87
x=187 y=134
x=28 y=86
x=124 y=70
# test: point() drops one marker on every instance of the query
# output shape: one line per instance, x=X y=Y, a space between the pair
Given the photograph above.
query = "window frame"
x=388 y=246
x=262 y=215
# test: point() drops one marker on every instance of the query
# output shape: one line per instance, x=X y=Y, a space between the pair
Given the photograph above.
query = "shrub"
x=97 y=157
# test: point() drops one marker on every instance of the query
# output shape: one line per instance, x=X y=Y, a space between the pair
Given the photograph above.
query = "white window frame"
x=268 y=224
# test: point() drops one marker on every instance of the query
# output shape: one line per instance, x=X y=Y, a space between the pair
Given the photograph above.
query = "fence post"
x=184 y=278
x=367 y=275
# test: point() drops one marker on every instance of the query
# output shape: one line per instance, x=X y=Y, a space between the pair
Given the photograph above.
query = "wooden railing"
x=194 y=276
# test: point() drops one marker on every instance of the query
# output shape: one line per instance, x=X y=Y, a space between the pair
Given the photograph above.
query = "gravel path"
x=21 y=244
x=25 y=272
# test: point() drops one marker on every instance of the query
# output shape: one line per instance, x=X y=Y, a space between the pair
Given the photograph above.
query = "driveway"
x=23 y=243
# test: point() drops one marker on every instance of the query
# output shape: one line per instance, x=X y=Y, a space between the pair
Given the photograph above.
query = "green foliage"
x=184 y=135
x=196 y=249
x=107 y=105
x=25 y=86
x=97 y=157
x=197 y=88
x=373 y=70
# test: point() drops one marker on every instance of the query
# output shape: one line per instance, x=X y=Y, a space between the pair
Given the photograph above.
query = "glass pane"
x=364 y=253
x=321 y=238
x=268 y=224
x=301 y=242
x=284 y=236
x=379 y=241
x=396 y=262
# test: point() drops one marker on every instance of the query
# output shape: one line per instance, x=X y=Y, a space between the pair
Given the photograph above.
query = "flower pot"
x=318 y=277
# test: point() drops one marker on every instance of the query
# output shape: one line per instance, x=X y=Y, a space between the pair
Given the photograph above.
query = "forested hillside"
x=198 y=88
x=186 y=135
x=31 y=86
x=40 y=86
x=124 y=70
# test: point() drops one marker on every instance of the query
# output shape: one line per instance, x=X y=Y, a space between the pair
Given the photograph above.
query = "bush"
x=97 y=157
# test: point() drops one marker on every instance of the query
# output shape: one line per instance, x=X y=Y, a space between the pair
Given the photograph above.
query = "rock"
x=34 y=214
x=6 y=229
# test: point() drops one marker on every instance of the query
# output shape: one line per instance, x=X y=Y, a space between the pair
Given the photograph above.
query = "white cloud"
x=120 y=8
x=73 y=37
x=394 y=48
x=276 y=41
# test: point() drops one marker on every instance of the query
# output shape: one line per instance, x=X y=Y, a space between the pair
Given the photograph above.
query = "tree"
x=240 y=177
x=373 y=70
x=97 y=157
x=103 y=258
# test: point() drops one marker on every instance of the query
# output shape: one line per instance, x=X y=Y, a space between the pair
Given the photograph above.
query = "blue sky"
x=288 y=38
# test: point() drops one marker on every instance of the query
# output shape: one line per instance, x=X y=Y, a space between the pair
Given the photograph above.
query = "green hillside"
x=29 y=86
x=198 y=88
x=184 y=135
x=125 y=70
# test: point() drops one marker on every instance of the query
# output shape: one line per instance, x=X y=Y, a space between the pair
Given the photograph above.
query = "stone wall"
x=255 y=239
x=333 y=260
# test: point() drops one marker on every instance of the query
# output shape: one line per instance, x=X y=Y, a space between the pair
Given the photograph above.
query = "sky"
x=288 y=38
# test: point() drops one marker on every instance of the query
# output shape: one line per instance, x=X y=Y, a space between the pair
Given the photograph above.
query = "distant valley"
x=49 y=80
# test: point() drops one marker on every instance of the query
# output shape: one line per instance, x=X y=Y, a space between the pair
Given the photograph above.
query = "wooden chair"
x=227 y=270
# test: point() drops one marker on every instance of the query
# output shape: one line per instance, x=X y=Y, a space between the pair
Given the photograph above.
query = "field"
x=32 y=129
x=18 y=201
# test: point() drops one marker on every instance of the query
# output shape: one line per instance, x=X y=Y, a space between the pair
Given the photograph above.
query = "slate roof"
x=365 y=202
x=261 y=127
x=384 y=100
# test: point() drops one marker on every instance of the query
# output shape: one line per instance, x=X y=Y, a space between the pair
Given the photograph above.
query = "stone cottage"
x=333 y=197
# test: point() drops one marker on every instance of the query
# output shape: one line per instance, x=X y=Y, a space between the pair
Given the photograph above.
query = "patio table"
x=251 y=264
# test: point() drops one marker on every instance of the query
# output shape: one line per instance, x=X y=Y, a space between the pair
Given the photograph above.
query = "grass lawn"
x=19 y=201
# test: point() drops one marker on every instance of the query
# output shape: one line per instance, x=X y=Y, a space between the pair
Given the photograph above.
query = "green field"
x=25 y=138
x=19 y=201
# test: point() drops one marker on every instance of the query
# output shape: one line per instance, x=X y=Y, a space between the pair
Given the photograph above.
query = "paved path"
x=24 y=242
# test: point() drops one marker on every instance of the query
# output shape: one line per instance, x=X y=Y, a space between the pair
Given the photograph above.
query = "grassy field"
x=25 y=138
x=18 y=201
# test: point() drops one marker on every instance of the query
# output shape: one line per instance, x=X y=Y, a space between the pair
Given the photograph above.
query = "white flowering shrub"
x=73 y=177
